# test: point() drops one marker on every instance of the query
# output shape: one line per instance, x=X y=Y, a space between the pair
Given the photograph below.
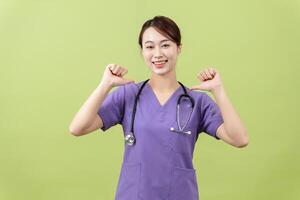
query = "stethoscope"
x=130 y=138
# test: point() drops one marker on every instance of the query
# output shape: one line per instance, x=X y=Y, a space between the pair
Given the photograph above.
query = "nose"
x=157 y=53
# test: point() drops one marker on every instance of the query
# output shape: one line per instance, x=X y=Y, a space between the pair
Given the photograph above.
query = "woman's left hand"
x=210 y=80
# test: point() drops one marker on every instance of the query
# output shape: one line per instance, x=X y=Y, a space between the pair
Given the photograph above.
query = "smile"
x=160 y=64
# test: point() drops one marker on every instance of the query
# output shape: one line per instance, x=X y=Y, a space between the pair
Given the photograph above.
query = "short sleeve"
x=111 y=110
x=211 y=117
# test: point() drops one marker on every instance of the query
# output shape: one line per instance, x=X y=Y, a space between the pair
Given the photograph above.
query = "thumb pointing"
x=126 y=81
x=195 y=87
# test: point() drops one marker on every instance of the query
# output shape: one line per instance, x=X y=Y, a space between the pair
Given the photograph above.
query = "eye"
x=166 y=45
x=149 y=47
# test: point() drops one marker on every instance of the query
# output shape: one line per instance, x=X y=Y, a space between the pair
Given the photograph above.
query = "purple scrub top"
x=159 y=166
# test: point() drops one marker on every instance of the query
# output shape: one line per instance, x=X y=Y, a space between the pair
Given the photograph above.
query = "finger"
x=215 y=71
x=203 y=77
x=112 y=66
x=208 y=74
x=195 y=87
x=115 y=70
x=126 y=81
x=124 y=72
x=112 y=72
x=119 y=70
x=203 y=74
x=200 y=77
x=212 y=71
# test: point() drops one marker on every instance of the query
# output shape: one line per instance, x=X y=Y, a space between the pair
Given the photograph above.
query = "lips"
x=159 y=62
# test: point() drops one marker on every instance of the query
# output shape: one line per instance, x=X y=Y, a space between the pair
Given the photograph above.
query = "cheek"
x=147 y=58
x=170 y=54
x=172 y=57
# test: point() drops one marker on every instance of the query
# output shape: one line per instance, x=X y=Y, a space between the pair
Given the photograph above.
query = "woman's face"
x=159 y=52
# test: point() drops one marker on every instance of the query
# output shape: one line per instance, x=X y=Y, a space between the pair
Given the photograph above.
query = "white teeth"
x=160 y=62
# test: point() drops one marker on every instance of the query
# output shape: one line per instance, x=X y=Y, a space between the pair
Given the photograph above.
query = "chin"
x=160 y=72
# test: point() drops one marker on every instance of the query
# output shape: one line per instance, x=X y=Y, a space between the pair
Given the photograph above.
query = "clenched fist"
x=114 y=75
x=210 y=80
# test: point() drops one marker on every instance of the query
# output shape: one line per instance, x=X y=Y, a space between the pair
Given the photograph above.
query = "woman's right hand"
x=114 y=75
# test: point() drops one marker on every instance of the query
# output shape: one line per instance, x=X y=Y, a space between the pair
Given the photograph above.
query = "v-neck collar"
x=156 y=99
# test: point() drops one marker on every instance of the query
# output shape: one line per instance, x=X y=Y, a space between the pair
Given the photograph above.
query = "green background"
x=52 y=56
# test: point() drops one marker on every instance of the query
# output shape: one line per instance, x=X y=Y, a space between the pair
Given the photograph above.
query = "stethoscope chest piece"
x=180 y=131
x=129 y=139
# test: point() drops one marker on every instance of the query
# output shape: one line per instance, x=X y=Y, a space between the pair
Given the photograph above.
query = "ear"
x=141 y=51
x=179 y=48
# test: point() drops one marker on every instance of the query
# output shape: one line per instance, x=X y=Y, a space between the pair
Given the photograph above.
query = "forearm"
x=89 y=109
x=232 y=122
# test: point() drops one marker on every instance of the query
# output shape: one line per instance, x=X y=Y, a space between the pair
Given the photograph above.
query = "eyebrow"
x=159 y=42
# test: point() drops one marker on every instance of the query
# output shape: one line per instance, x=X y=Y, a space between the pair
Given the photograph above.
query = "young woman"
x=160 y=135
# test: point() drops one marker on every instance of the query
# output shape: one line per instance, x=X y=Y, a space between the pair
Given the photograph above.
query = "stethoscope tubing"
x=130 y=138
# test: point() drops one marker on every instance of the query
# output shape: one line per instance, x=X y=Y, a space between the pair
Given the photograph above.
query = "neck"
x=165 y=83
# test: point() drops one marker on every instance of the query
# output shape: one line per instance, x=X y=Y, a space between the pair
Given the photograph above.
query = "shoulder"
x=200 y=97
x=132 y=88
x=129 y=90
